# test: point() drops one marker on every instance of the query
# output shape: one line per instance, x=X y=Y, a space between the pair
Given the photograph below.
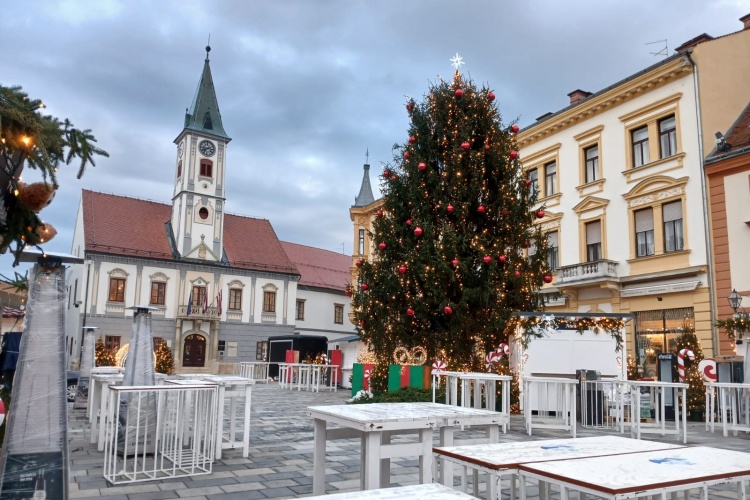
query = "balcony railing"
x=587 y=271
x=197 y=312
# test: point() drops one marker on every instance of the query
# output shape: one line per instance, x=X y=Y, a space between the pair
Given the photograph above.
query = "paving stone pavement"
x=280 y=464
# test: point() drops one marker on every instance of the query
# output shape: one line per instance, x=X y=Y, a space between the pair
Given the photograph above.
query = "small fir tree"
x=104 y=356
x=696 y=393
x=457 y=247
x=164 y=359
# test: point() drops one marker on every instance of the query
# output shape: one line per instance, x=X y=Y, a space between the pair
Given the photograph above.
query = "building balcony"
x=197 y=312
x=587 y=272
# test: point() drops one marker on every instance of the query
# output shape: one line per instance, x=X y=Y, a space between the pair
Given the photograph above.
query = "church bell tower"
x=198 y=199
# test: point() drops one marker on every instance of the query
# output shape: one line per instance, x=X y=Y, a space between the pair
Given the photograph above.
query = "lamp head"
x=735 y=299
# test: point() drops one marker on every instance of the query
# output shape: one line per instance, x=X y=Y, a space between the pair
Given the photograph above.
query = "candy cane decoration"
x=490 y=360
x=707 y=368
x=681 y=362
x=438 y=366
x=503 y=349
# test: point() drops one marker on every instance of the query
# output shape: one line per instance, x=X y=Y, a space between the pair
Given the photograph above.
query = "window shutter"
x=593 y=232
x=644 y=220
x=672 y=211
x=552 y=239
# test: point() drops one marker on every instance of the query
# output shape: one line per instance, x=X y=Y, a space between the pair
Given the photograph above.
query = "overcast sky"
x=306 y=87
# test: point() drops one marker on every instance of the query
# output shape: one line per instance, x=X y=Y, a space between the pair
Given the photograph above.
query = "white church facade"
x=224 y=284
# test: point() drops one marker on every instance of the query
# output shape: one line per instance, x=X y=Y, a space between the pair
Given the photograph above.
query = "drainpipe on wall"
x=706 y=217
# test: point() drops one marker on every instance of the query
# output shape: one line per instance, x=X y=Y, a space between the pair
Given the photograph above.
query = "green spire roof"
x=204 y=115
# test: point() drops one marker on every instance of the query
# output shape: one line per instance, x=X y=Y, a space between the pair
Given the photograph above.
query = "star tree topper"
x=457 y=61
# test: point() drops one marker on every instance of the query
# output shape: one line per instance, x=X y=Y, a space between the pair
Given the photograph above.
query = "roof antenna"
x=663 y=52
x=208 y=46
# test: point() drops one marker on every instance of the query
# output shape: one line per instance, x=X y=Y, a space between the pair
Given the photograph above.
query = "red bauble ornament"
x=547 y=278
x=540 y=214
x=481 y=209
x=362 y=324
x=491 y=96
x=410 y=311
x=379 y=213
x=382 y=246
x=386 y=173
x=528 y=183
x=418 y=231
x=505 y=212
x=502 y=258
x=486 y=259
x=402 y=269
x=465 y=146
x=422 y=167
x=408 y=222
x=454 y=262
x=486 y=147
x=449 y=208
x=513 y=155
x=412 y=139
x=364 y=287
x=410 y=107
x=406 y=155
x=448 y=310
x=458 y=93
x=518 y=274
x=527 y=243
x=515 y=128
x=359 y=263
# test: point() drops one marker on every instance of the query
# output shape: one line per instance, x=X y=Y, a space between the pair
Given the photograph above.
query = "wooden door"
x=194 y=351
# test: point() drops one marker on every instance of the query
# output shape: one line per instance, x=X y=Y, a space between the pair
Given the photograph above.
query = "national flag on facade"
x=205 y=302
x=190 y=304
x=218 y=302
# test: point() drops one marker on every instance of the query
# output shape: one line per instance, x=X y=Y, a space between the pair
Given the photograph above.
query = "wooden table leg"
x=319 y=457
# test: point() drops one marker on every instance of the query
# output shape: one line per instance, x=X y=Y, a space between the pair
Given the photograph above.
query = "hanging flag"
x=205 y=301
x=218 y=302
x=190 y=303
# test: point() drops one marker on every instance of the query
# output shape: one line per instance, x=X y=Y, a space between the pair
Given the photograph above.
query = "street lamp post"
x=735 y=299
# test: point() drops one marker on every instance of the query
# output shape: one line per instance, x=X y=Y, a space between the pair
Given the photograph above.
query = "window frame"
x=338 y=314
x=594 y=250
x=110 y=340
x=179 y=169
x=201 y=295
x=269 y=301
x=553 y=252
x=550 y=180
x=361 y=243
x=671 y=223
x=161 y=287
x=591 y=164
x=235 y=299
x=535 y=167
x=532 y=174
x=206 y=168
x=299 y=314
x=645 y=156
x=118 y=297
x=671 y=135
x=645 y=245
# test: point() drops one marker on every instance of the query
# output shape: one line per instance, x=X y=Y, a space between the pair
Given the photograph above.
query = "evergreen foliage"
x=104 y=357
x=164 y=360
x=696 y=393
x=456 y=245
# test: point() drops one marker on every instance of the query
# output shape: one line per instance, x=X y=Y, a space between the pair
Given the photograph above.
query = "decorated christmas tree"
x=104 y=356
x=164 y=360
x=696 y=393
x=456 y=246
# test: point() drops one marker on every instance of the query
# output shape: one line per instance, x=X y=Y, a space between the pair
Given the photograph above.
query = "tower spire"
x=365 y=196
x=203 y=115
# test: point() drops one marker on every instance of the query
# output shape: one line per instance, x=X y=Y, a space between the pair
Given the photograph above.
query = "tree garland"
x=539 y=326
x=739 y=325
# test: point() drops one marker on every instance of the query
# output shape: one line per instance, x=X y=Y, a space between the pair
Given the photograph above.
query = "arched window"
x=179 y=169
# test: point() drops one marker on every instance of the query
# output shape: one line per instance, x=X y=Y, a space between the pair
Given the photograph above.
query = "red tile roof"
x=320 y=268
x=737 y=137
x=128 y=226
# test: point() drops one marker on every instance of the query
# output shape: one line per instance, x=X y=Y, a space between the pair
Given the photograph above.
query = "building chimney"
x=746 y=22
x=578 y=95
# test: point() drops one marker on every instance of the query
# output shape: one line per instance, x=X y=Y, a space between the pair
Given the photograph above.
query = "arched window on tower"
x=179 y=169
x=207 y=121
x=207 y=168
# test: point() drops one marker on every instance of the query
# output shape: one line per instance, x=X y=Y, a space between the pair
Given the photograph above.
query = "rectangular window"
x=199 y=296
x=117 y=289
x=261 y=350
x=552 y=256
x=221 y=346
x=667 y=137
x=300 y=310
x=179 y=169
x=550 y=175
x=157 y=342
x=672 y=215
x=592 y=163
x=361 y=242
x=639 y=139
x=112 y=343
x=644 y=232
x=235 y=299
x=593 y=241
x=532 y=249
x=207 y=168
x=269 y=302
x=338 y=314
x=533 y=176
x=158 y=293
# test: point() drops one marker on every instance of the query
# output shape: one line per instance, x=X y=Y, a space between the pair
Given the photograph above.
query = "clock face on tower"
x=207 y=148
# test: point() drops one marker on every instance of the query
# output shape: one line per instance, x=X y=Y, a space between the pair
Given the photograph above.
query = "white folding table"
x=374 y=423
x=432 y=491
x=634 y=475
x=499 y=460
